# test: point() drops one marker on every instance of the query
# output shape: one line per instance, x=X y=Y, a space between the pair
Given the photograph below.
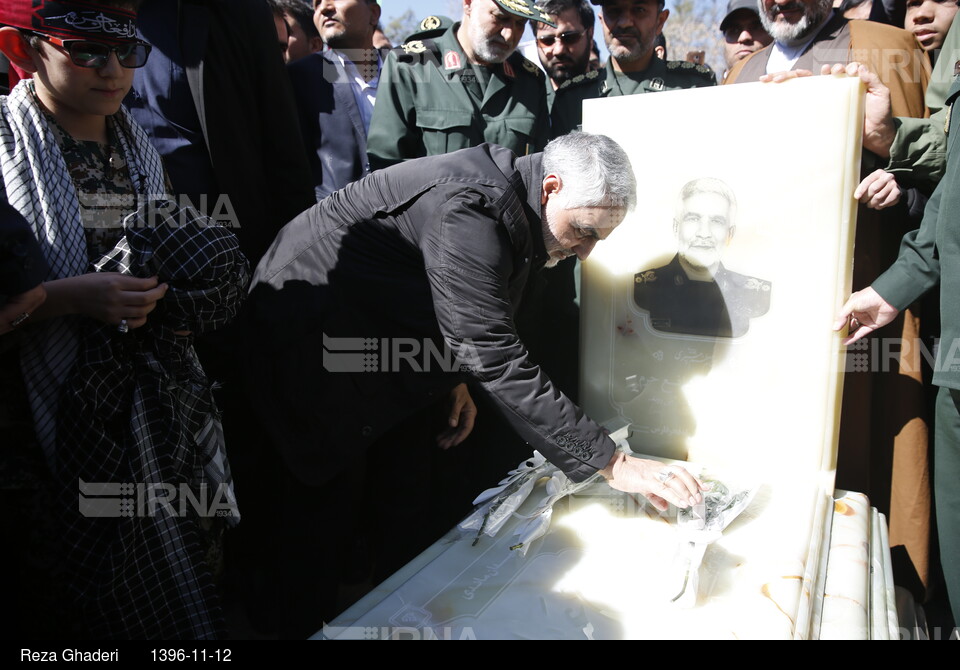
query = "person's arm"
x=22 y=270
x=916 y=271
x=105 y=296
x=394 y=135
x=468 y=259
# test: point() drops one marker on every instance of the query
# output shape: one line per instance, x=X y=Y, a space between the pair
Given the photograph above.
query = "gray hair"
x=595 y=171
x=707 y=185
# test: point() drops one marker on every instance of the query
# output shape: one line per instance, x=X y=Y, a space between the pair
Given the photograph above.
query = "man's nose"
x=585 y=248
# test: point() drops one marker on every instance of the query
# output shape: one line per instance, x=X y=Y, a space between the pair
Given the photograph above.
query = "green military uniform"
x=432 y=101
x=567 y=112
x=930 y=256
x=918 y=155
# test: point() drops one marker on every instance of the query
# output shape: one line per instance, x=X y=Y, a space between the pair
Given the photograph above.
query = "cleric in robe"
x=695 y=294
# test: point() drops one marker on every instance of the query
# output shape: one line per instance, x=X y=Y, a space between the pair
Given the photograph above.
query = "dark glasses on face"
x=567 y=39
x=96 y=54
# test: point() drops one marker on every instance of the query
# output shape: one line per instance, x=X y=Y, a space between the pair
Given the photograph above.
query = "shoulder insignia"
x=508 y=70
x=579 y=79
x=529 y=66
x=414 y=47
x=647 y=277
x=451 y=60
x=686 y=65
x=754 y=284
x=705 y=69
x=673 y=64
x=430 y=23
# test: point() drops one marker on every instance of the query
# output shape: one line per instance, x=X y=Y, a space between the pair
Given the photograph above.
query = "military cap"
x=600 y=2
x=526 y=9
x=430 y=28
x=735 y=6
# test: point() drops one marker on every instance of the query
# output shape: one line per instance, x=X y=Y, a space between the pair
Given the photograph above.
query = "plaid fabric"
x=137 y=410
x=36 y=182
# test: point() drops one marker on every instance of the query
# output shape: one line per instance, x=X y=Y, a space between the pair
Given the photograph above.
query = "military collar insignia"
x=588 y=76
x=605 y=88
x=430 y=23
x=451 y=60
x=656 y=84
x=529 y=67
x=414 y=47
x=687 y=65
x=508 y=70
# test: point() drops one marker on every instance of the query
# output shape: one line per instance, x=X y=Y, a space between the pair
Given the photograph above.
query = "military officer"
x=630 y=29
x=695 y=294
x=463 y=88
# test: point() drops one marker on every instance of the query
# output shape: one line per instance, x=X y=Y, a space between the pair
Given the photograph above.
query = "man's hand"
x=105 y=296
x=878 y=190
x=658 y=482
x=878 y=128
x=24 y=303
x=462 y=415
x=865 y=311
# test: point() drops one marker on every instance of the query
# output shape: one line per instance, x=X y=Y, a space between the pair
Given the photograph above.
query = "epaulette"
x=413 y=51
x=517 y=59
x=687 y=65
x=579 y=79
x=645 y=277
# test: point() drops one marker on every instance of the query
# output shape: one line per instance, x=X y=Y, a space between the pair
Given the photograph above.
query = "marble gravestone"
x=746 y=390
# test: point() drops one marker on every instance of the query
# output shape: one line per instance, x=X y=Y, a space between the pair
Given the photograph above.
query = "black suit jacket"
x=330 y=121
x=427 y=252
x=247 y=114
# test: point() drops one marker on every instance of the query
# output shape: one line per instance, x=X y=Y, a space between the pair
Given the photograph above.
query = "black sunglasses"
x=567 y=39
x=96 y=54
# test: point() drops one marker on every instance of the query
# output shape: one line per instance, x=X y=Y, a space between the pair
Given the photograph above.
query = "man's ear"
x=14 y=46
x=375 y=11
x=551 y=184
x=730 y=233
x=316 y=44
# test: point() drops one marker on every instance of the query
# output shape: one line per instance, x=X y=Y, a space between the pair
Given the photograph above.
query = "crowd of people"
x=206 y=201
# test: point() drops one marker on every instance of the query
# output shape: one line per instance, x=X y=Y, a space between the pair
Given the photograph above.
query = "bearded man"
x=466 y=87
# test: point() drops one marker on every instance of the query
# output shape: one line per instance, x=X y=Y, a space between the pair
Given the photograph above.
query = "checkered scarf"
x=38 y=185
x=137 y=410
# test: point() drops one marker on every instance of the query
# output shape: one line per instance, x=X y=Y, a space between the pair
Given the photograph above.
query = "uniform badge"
x=508 y=70
x=451 y=60
x=956 y=69
x=656 y=84
x=686 y=65
x=430 y=23
x=577 y=79
x=516 y=6
x=414 y=47
x=529 y=67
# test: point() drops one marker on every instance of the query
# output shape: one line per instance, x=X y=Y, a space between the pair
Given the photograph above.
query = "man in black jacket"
x=392 y=292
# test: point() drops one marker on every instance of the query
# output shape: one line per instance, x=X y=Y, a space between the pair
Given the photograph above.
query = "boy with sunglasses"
x=112 y=398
